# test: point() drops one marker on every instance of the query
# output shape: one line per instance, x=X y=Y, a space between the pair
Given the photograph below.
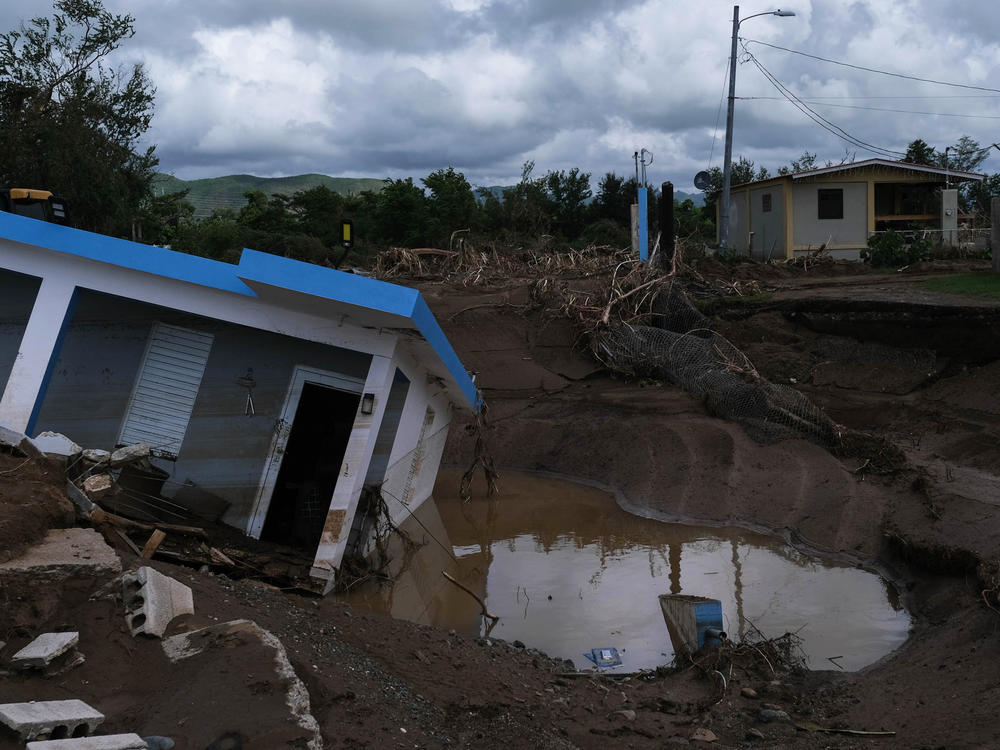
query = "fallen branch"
x=471 y=593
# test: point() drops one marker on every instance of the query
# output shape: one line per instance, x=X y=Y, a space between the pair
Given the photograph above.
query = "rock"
x=676 y=740
x=56 y=445
x=770 y=715
x=772 y=706
x=98 y=486
x=626 y=713
x=754 y=734
x=129 y=454
x=703 y=734
x=156 y=742
x=748 y=692
x=96 y=456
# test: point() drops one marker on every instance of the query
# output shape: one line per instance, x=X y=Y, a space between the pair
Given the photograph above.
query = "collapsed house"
x=272 y=391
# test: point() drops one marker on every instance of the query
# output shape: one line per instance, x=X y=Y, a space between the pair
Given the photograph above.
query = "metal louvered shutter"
x=165 y=392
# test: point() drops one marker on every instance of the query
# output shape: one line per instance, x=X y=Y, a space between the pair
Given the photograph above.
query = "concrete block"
x=65 y=553
x=129 y=454
x=152 y=600
x=56 y=445
x=99 y=742
x=50 y=719
x=45 y=649
x=98 y=486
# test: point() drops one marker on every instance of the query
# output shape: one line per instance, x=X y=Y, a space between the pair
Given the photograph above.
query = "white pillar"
x=38 y=350
x=357 y=456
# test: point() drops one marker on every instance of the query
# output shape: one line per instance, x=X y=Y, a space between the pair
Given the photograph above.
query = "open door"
x=307 y=451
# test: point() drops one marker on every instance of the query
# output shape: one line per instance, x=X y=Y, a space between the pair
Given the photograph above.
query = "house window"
x=831 y=203
x=166 y=389
x=765 y=202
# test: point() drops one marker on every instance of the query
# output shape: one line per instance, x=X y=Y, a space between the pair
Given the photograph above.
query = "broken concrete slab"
x=45 y=649
x=56 y=445
x=50 y=719
x=129 y=454
x=130 y=741
x=152 y=600
x=65 y=553
x=9 y=437
x=96 y=456
x=223 y=639
x=83 y=504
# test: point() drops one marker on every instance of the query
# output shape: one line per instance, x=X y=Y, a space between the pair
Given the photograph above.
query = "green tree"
x=569 y=192
x=402 y=214
x=919 y=152
x=451 y=205
x=743 y=172
x=72 y=125
x=803 y=164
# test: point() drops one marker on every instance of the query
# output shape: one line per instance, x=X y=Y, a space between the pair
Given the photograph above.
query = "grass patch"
x=712 y=305
x=980 y=284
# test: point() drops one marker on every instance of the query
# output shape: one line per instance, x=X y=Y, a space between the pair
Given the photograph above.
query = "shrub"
x=890 y=249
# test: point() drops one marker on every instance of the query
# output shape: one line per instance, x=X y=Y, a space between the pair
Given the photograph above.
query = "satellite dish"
x=703 y=180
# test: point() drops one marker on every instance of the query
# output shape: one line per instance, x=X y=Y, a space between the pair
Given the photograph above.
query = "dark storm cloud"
x=396 y=87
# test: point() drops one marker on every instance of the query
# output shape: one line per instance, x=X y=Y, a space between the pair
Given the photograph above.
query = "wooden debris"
x=155 y=539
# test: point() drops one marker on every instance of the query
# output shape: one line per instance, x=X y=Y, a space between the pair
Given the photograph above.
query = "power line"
x=871 y=70
x=818 y=118
x=877 y=96
x=882 y=109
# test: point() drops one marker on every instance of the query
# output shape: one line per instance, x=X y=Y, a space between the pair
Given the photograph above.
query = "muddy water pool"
x=567 y=570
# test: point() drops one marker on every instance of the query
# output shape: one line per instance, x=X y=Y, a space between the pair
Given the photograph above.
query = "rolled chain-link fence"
x=708 y=366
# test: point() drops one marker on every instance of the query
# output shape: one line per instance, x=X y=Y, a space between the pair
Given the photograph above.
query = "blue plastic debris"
x=604 y=657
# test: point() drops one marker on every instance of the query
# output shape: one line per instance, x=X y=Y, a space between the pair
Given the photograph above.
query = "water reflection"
x=567 y=570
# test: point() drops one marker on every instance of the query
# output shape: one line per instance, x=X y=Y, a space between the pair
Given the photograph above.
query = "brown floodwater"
x=567 y=570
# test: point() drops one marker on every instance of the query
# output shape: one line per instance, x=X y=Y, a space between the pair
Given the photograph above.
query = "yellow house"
x=837 y=208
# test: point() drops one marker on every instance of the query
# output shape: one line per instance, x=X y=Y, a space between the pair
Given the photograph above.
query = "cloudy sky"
x=392 y=88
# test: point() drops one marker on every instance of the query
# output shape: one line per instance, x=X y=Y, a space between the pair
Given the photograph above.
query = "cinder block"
x=44 y=650
x=50 y=719
x=152 y=600
x=100 y=742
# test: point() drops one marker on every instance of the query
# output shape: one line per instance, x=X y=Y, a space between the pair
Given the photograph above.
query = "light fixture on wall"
x=368 y=403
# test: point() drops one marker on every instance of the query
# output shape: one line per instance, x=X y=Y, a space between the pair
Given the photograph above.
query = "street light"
x=727 y=169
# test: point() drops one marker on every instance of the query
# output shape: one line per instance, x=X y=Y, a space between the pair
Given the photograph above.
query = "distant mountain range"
x=216 y=193
x=212 y=193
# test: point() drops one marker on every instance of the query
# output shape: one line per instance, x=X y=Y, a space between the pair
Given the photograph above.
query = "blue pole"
x=643 y=231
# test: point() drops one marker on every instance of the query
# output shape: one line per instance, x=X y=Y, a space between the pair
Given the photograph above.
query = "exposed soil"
x=922 y=373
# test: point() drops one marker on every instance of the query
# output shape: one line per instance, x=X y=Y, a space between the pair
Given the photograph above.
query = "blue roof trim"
x=134 y=255
x=427 y=325
x=327 y=282
x=290 y=274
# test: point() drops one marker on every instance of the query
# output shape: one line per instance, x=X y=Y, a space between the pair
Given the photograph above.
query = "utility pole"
x=727 y=166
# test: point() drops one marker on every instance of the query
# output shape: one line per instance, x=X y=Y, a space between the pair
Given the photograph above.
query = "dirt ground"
x=876 y=351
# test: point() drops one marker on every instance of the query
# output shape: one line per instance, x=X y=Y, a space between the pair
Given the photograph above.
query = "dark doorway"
x=310 y=466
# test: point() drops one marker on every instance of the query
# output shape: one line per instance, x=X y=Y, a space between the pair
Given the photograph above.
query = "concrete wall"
x=768 y=227
x=17 y=295
x=739 y=221
x=812 y=232
x=223 y=450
